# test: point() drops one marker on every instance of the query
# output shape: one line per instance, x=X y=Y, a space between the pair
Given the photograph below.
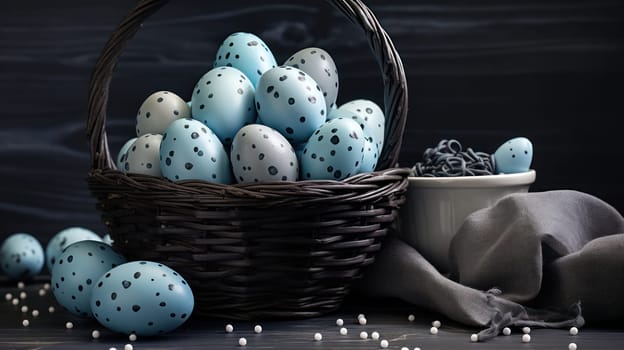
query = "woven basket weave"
x=249 y=251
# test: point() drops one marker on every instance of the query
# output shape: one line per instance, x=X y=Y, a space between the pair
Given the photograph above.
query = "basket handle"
x=395 y=84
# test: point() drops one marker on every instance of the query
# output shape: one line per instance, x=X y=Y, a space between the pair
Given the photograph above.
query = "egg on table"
x=158 y=111
x=64 y=238
x=21 y=256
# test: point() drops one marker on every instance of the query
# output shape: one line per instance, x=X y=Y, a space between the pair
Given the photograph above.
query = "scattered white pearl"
x=375 y=335
x=15 y=301
x=95 y=334
x=416 y=348
x=8 y=296
x=526 y=338
x=51 y=309
x=20 y=285
x=526 y=330
x=47 y=286
x=132 y=337
x=318 y=336
x=384 y=344
x=69 y=325
x=363 y=335
x=405 y=348
x=42 y=292
x=24 y=309
x=436 y=324
x=339 y=322
x=113 y=348
x=573 y=331
x=128 y=347
x=474 y=337
x=361 y=316
x=242 y=342
x=362 y=321
x=229 y=328
x=572 y=346
x=343 y=331
x=35 y=313
x=433 y=330
x=411 y=318
x=258 y=329
x=25 y=323
x=23 y=295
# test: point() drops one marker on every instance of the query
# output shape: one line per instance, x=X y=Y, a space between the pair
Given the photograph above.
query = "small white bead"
x=95 y=334
x=47 y=286
x=24 y=309
x=42 y=292
x=23 y=295
x=362 y=321
x=526 y=330
x=25 y=323
x=433 y=330
x=21 y=285
x=15 y=301
x=405 y=348
x=506 y=331
x=258 y=329
x=69 y=325
x=8 y=296
x=526 y=338
x=573 y=331
x=436 y=324
x=363 y=335
x=51 y=309
x=242 y=342
x=417 y=348
x=132 y=337
x=339 y=322
x=361 y=316
x=384 y=344
x=229 y=328
x=128 y=347
x=318 y=336
x=343 y=331
x=375 y=335
x=474 y=337
x=411 y=318
x=572 y=346
x=35 y=313
x=112 y=348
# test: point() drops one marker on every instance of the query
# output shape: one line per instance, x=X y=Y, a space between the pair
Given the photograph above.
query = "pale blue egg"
x=371 y=156
x=247 y=53
x=321 y=67
x=514 y=156
x=370 y=117
x=334 y=152
x=63 y=239
x=142 y=297
x=223 y=100
x=21 y=256
x=77 y=270
x=291 y=102
x=123 y=153
x=190 y=150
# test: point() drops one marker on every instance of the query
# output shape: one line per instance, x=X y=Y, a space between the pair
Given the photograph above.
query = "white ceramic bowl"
x=437 y=206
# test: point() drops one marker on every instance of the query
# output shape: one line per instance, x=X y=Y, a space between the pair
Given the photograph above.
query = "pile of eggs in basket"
x=252 y=120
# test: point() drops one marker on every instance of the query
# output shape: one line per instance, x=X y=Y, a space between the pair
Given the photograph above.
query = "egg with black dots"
x=261 y=154
x=158 y=111
x=21 y=256
x=63 y=239
x=223 y=99
x=514 y=156
x=317 y=63
x=291 y=102
x=144 y=156
x=371 y=156
x=76 y=271
x=247 y=53
x=334 y=152
x=366 y=113
x=143 y=298
x=123 y=153
x=190 y=150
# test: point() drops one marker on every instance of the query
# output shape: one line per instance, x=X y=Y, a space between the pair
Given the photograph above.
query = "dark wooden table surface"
x=388 y=317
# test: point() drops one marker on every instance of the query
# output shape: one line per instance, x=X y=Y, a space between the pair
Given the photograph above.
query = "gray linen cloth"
x=531 y=259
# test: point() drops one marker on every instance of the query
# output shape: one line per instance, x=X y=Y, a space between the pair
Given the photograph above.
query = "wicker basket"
x=249 y=251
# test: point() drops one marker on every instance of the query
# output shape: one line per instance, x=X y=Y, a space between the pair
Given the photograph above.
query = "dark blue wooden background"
x=479 y=71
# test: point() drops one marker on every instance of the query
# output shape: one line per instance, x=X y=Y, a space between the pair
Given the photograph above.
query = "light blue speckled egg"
x=334 y=152
x=247 y=53
x=371 y=156
x=143 y=156
x=321 y=67
x=514 y=156
x=370 y=117
x=291 y=102
x=21 y=256
x=190 y=150
x=63 y=239
x=223 y=99
x=77 y=270
x=142 y=297
x=123 y=153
